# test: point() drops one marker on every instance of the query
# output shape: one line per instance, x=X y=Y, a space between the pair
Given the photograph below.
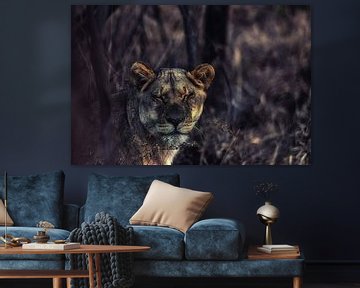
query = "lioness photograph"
x=191 y=85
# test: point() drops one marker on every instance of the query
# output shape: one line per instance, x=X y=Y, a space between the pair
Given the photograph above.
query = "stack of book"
x=274 y=252
x=279 y=249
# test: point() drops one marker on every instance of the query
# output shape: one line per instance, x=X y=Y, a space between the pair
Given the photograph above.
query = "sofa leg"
x=297 y=282
x=57 y=283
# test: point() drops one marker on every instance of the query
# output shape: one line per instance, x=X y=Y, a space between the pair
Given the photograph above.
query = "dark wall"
x=318 y=203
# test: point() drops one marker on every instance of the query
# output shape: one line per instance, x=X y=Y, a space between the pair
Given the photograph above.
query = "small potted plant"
x=41 y=236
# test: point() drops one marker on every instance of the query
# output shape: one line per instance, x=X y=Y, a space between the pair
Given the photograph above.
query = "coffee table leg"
x=297 y=282
x=57 y=283
x=68 y=282
x=98 y=270
x=91 y=270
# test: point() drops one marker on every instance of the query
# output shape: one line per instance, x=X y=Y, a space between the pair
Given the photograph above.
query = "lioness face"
x=171 y=102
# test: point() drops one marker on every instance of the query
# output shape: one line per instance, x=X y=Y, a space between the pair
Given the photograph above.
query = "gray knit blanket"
x=116 y=268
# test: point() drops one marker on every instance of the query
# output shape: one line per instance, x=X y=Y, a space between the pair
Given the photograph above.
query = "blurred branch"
x=98 y=62
x=133 y=30
x=159 y=19
x=189 y=22
x=110 y=45
x=101 y=13
x=216 y=19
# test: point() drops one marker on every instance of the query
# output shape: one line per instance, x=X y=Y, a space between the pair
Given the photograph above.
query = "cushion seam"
x=156 y=224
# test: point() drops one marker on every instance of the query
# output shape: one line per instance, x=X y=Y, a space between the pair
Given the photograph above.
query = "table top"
x=91 y=249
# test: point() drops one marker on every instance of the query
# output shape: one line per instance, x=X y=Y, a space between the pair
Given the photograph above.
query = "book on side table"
x=274 y=252
x=272 y=249
x=51 y=246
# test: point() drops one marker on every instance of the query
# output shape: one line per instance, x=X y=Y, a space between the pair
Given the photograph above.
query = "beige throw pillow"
x=9 y=221
x=170 y=206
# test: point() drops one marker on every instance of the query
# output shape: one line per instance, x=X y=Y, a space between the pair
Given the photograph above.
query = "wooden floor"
x=45 y=283
x=333 y=285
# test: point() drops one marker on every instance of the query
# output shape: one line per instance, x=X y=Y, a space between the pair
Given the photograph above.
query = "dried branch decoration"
x=45 y=225
x=265 y=189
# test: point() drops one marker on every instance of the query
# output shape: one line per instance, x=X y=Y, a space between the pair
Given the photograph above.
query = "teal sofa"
x=210 y=248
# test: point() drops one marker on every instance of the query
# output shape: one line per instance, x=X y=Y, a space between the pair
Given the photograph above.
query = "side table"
x=254 y=255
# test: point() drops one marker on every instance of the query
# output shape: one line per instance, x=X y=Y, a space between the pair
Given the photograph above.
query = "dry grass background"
x=258 y=108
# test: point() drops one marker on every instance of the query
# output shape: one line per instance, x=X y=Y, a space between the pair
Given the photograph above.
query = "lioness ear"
x=141 y=74
x=204 y=73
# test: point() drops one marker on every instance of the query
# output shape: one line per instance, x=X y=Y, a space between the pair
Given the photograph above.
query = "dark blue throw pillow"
x=121 y=197
x=35 y=198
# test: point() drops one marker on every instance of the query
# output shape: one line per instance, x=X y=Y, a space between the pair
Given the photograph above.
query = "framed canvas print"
x=191 y=85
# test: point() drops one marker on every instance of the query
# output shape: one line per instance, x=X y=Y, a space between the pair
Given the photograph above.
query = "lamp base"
x=268 y=237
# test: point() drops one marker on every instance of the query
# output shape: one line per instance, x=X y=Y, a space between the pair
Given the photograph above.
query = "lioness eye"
x=189 y=96
x=157 y=97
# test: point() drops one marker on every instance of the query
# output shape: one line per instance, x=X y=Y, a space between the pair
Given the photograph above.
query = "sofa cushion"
x=213 y=269
x=121 y=197
x=214 y=239
x=39 y=264
x=170 y=206
x=29 y=232
x=9 y=221
x=35 y=198
x=165 y=243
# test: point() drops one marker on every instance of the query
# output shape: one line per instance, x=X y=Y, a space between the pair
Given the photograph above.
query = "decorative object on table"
x=41 y=236
x=51 y=246
x=11 y=241
x=46 y=225
x=116 y=268
x=278 y=249
x=60 y=241
x=255 y=254
x=268 y=213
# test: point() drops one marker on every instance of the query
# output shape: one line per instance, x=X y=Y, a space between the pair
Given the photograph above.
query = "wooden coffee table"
x=57 y=275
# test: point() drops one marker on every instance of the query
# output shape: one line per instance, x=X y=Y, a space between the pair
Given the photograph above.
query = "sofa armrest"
x=215 y=239
x=71 y=216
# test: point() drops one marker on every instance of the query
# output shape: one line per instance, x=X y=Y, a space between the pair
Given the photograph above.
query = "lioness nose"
x=175 y=114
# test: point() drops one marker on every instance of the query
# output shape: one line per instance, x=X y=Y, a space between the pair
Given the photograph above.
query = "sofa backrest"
x=121 y=197
x=35 y=198
x=70 y=219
